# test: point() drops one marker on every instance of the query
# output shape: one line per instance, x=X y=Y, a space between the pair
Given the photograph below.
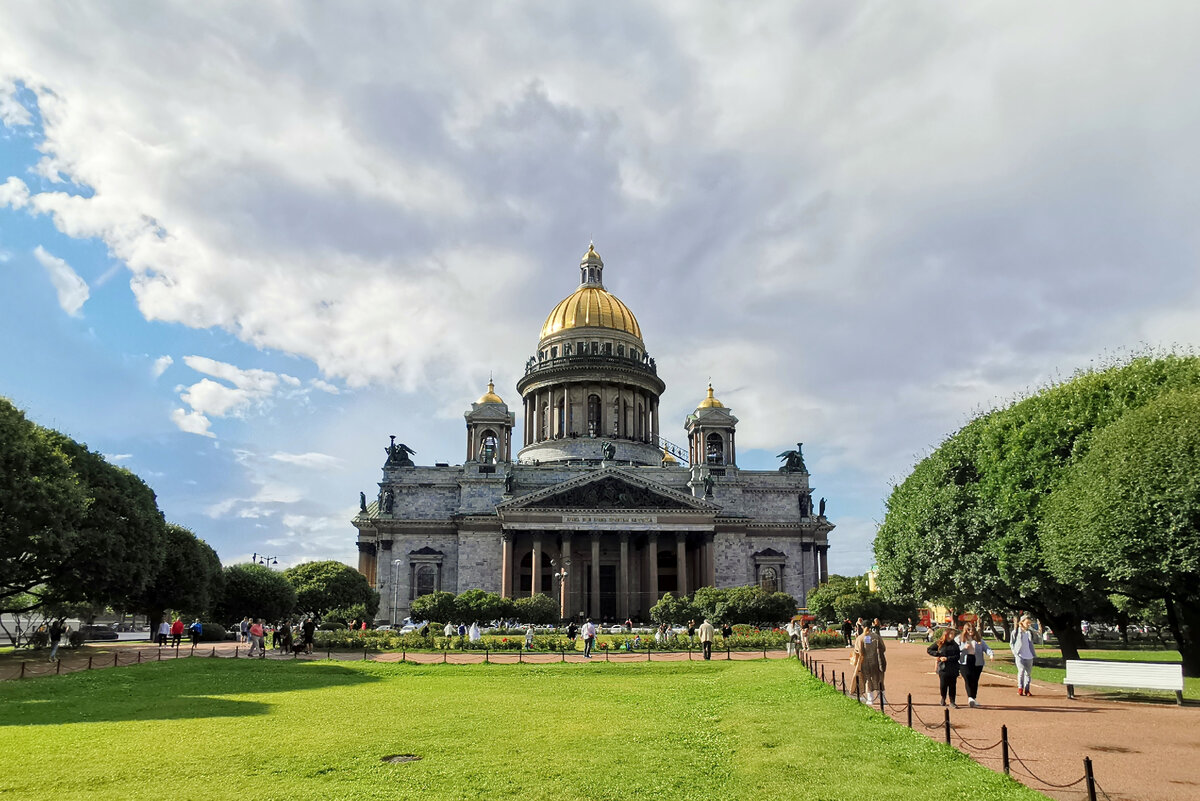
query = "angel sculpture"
x=793 y=460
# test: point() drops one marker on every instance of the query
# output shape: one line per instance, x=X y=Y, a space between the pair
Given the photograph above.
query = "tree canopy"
x=189 y=580
x=966 y=526
x=322 y=586
x=436 y=606
x=255 y=591
x=843 y=597
x=1127 y=517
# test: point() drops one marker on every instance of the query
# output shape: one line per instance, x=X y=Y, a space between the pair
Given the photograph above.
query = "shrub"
x=212 y=632
x=75 y=639
x=331 y=625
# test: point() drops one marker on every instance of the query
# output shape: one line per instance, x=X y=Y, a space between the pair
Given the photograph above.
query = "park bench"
x=1132 y=675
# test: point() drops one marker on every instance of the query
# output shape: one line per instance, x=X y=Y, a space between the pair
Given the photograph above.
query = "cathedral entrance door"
x=608 y=592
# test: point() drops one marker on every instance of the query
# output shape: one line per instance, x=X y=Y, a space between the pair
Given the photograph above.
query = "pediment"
x=611 y=490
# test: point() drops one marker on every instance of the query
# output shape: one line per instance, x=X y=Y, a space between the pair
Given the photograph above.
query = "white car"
x=410 y=626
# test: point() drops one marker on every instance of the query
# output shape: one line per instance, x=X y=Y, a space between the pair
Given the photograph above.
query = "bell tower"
x=489 y=429
x=710 y=431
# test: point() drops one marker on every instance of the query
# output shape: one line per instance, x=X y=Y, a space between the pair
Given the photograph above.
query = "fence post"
x=647 y=653
x=115 y=655
x=822 y=672
x=487 y=655
x=910 y=710
x=328 y=654
x=844 y=682
x=22 y=671
x=89 y=661
x=214 y=652
x=444 y=653
x=857 y=691
x=1004 y=748
x=139 y=659
x=403 y=654
x=727 y=653
x=881 y=709
x=563 y=651
x=236 y=648
x=1091 y=780
x=947 y=727
x=606 y=659
x=364 y=654
x=519 y=658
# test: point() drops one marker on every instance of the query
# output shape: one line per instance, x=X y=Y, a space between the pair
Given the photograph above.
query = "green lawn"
x=224 y=729
x=1048 y=667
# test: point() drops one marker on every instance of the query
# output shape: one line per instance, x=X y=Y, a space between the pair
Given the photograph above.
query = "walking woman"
x=946 y=651
x=1023 y=653
x=973 y=651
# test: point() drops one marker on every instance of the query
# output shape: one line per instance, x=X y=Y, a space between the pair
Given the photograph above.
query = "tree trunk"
x=154 y=617
x=1185 y=626
x=1066 y=629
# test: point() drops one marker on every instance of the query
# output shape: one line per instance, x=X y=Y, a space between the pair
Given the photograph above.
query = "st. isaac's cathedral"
x=596 y=509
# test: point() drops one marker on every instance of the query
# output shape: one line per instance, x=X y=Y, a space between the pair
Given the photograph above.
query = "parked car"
x=98 y=632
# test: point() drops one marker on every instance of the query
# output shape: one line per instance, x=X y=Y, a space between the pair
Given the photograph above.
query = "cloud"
x=72 y=290
x=14 y=193
x=160 y=365
x=12 y=113
x=192 y=422
x=245 y=390
x=118 y=457
x=324 y=386
x=315 y=461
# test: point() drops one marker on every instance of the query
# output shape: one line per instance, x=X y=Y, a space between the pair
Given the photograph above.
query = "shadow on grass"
x=181 y=690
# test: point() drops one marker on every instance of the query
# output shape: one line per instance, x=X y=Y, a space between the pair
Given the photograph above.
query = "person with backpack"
x=55 y=633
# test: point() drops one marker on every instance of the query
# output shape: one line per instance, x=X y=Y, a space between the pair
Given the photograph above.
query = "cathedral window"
x=554 y=352
x=768 y=579
x=593 y=415
x=620 y=350
x=715 y=449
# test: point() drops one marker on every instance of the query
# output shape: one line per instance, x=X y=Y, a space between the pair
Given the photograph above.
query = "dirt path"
x=1139 y=751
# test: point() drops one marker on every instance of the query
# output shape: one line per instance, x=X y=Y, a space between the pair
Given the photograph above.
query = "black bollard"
x=822 y=672
x=139 y=659
x=881 y=709
x=910 y=710
x=58 y=668
x=1004 y=747
x=1091 y=780
x=89 y=662
x=857 y=693
x=947 y=727
x=487 y=654
x=844 y=682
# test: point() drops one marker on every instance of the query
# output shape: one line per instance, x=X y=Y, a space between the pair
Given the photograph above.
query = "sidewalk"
x=1139 y=751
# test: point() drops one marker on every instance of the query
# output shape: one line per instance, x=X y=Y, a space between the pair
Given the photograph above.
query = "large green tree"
x=436 y=606
x=189 y=580
x=42 y=501
x=482 y=607
x=850 y=597
x=536 y=609
x=1127 y=516
x=321 y=586
x=255 y=591
x=966 y=526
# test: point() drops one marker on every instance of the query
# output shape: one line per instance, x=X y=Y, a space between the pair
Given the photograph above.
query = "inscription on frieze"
x=589 y=520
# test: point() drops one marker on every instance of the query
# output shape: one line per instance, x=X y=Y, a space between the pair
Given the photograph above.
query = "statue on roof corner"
x=398 y=454
x=362 y=501
x=793 y=461
x=608 y=450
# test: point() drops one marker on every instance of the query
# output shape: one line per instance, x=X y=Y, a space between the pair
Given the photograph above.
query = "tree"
x=965 y=527
x=436 y=606
x=255 y=591
x=42 y=502
x=189 y=580
x=322 y=586
x=537 y=609
x=1127 y=517
x=480 y=606
x=673 y=611
x=118 y=546
x=850 y=597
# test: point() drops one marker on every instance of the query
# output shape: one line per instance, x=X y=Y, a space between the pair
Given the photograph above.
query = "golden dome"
x=710 y=402
x=490 y=396
x=594 y=307
x=668 y=458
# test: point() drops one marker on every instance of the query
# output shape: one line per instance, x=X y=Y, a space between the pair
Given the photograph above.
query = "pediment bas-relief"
x=607 y=493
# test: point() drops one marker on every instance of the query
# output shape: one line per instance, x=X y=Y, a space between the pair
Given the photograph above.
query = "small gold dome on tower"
x=490 y=396
x=668 y=459
x=710 y=402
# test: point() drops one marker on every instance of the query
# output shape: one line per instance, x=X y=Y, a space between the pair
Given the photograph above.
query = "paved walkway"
x=1140 y=751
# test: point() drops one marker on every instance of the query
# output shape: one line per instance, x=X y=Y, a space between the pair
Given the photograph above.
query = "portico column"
x=652 y=574
x=563 y=558
x=681 y=562
x=623 y=576
x=535 y=582
x=824 y=576
x=710 y=566
x=594 y=601
x=506 y=565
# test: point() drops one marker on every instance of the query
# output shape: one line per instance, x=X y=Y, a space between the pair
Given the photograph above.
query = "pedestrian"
x=244 y=628
x=804 y=632
x=462 y=630
x=55 y=633
x=1021 y=645
x=196 y=629
x=176 y=632
x=475 y=635
x=706 y=638
x=793 y=637
x=946 y=651
x=691 y=630
x=628 y=625
x=870 y=663
x=529 y=638
x=164 y=629
x=307 y=631
x=589 y=638
x=572 y=633
x=449 y=630
x=257 y=646
x=848 y=632
x=973 y=652
x=726 y=630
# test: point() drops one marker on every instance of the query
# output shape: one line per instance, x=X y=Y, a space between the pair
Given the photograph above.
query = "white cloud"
x=315 y=461
x=12 y=113
x=192 y=422
x=118 y=457
x=14 y=193
x=324 y=386
x=72 y=290
x=160 y=365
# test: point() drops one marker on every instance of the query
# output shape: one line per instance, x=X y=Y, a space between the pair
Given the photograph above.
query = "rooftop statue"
x=793 y=460
x=398 y=454
x=608 y=450
x=362 y=501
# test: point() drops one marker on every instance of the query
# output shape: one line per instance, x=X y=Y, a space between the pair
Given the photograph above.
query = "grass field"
x=1048 y=667
x=224 y=729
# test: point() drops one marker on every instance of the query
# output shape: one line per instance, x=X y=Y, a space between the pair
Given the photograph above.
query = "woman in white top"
x=1022 y=650
x=972 y=653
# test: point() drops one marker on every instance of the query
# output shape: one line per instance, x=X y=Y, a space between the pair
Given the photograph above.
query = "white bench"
x=1133 y=675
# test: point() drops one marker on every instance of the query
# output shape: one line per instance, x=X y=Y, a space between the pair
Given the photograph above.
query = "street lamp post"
x=262 y=559
x=561 y=575
x=395 y=587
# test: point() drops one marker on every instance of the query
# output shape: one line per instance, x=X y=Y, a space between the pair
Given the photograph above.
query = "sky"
x=242 y=244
